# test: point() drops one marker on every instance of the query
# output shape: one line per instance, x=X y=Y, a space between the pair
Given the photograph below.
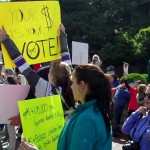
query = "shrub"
x=134 y=77
x=145 y=76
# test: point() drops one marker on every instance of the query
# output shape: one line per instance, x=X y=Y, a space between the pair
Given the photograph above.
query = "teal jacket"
x=85 y=130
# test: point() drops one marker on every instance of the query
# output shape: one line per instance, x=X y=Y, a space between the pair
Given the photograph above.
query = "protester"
x=89 y=127
x=133 y=105
x=60 y=83
x=96 y=60
x=90 y=86
x=121 y=99
x=8 y=72
x=11 y=129
x=141 y=94
x=114 y=80
x=111 y=69
x=138 y=124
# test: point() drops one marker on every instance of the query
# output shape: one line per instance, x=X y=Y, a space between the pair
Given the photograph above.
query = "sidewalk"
x=119 y=141
x=116 y=144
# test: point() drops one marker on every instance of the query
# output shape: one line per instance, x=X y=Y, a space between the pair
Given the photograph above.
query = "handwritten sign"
x=42 y=120
x=33 y=26
x=79 y=53
x=9 y=96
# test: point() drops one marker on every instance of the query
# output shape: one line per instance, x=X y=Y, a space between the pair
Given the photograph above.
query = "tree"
x=121 y=49
x=142 y=44
x=95 y=21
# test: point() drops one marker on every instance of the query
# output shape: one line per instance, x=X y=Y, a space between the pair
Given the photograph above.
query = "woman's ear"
x=82 y=84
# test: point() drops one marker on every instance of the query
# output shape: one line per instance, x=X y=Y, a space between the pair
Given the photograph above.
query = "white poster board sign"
x=125 y=68
x=79 y=53
x=9 y=96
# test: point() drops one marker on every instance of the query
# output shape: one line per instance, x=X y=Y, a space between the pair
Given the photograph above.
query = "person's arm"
x=65 y=55
x=18 y=59
x=42 y=87
x=131 y=121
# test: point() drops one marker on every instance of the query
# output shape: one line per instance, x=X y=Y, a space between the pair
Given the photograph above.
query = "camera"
x=131 y=146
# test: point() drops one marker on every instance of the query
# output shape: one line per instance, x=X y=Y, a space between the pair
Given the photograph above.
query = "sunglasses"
x=148 y=95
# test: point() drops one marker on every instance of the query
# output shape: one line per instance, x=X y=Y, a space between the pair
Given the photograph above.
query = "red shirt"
x=37 y=66
x=133 y=105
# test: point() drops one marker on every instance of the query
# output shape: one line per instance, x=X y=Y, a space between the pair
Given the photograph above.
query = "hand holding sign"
x=15 y=120
x=61 y=28
x=27 y=146
x=46 y=119
x=3 y=34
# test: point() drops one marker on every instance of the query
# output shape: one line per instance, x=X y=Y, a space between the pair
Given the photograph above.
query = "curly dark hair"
x=99 y=89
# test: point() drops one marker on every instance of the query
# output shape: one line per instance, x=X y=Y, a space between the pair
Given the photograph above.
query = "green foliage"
x=121 y=50
x=109 y=26
x=145 y=76
x=142 y=44
x=95 y=21
x=134 y=77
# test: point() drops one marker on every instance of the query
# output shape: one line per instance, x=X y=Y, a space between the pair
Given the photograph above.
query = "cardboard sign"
x=42 y=120
x=79 y=53
x=33 y=26
x=9 y=96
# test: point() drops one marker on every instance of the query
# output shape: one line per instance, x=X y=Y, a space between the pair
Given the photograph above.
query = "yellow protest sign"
x=33 y=26
x=42 y=120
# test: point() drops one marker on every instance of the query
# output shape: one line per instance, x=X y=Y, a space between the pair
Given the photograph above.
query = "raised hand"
x=3 y=34
x=142 y=110
x=61 y=29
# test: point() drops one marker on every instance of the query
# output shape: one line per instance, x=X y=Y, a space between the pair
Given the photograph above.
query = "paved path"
x=116 y=145
x=118 y=142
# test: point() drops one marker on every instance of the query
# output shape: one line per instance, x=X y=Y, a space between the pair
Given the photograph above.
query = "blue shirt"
x=85 y=130
x=122 y=96
x=142 y=127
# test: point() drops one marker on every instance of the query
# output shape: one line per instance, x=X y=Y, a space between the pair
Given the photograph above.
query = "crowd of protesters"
x=95 y=100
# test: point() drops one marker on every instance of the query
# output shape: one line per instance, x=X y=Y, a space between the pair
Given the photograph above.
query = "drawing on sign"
x=45 y=12
x=33 y=50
